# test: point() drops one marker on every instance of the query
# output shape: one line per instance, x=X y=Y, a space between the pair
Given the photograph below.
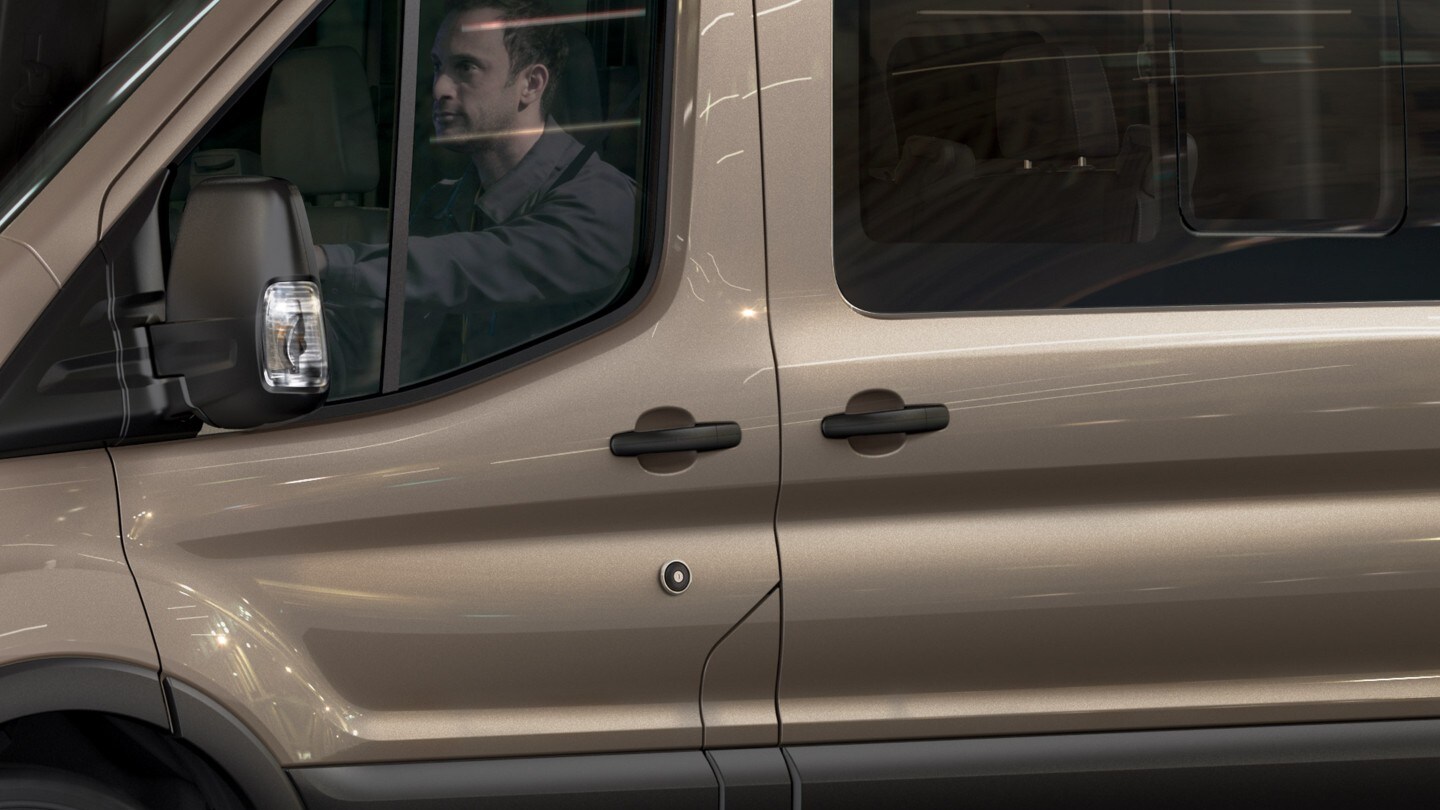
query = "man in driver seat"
x=537 y=232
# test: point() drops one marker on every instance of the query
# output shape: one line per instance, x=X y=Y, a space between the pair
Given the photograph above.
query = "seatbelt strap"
x=575 y=166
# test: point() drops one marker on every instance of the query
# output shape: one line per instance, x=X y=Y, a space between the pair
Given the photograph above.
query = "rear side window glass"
x=65 y=66
x=1017 y=156
x=1295 y=111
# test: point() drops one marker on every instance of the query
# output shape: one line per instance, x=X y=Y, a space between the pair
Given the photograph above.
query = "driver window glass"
x=530 y=122
x=322 y=117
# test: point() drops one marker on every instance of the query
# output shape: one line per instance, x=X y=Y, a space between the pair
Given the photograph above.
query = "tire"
x=25 y=788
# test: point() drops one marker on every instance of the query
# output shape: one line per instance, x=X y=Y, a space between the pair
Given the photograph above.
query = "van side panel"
x=65 y=589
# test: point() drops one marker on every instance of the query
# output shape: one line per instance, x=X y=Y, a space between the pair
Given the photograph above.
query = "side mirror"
x=243 y=323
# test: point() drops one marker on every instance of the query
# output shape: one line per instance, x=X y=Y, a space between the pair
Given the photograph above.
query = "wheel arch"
x=168 y=707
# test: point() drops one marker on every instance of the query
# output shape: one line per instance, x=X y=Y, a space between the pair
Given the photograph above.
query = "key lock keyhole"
x=675 y=577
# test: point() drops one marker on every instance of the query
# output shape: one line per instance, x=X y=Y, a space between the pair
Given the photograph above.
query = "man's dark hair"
x=526 y=45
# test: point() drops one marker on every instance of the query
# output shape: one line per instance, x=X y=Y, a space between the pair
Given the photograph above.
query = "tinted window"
x=65 y=66
x=523 y=210
x=322 y=117
x=1058 y=154
x=521 y=187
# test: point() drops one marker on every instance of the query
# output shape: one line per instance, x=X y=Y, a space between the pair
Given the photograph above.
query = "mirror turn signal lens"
x=294 y=339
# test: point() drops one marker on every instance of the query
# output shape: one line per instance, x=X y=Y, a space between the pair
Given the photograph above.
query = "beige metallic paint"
x=1135 y=519
x=476 y=575
x=26 y=287
x=737 y=697
x=65 y=590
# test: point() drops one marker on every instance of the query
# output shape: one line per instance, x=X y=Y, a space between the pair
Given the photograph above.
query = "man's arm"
x=579 y=239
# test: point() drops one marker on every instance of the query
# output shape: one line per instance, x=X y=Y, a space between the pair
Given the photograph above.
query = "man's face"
x=473 y=92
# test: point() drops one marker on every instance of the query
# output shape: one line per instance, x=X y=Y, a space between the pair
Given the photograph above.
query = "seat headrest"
x=318 y=127
x=1052 y=102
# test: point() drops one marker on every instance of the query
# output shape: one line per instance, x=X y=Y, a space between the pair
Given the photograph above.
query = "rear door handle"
x=702 y=437
x=913 y=419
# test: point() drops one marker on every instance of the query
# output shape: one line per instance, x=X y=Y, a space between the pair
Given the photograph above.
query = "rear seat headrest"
x=318 y=127
x=1053 y=102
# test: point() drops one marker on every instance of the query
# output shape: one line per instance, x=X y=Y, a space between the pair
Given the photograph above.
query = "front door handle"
x=702 y=437
x=913 y=419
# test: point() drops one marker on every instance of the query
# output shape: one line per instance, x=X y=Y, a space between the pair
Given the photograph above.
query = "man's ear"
x=533 y=81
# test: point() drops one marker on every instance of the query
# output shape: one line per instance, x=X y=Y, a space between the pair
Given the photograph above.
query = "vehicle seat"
x=577 y=97
x=318 y=132
x=1061 y=172
x=1064 y=173
x=201 y=166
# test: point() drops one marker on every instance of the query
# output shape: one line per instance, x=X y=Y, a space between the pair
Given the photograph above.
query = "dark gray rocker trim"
x=672 y=779
x=1360 y=764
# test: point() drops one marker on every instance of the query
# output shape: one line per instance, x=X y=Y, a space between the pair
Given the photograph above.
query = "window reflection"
x=1133 y=153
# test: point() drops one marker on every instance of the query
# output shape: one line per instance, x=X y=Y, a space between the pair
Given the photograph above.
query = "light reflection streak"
x=1111 y=55
x=25 y=246
x=727 y=157
x=1138 y=12
x=551 y=455
x=101 y=559
x=1067 y=388
x=1296 y=71
x=692 y=289
x=321 y=590
x=589 y=126
x=701 y=269
x=1155 y=341
x=774 y=9
x=164 y=49
x=51 y=484
x=774 y=85
x=723 y=280
x=1383 y=680
x=24 y=630
x=707 y=28
x=421 y=483
x=304 y=480
x=710 y=105
x=308 y=455
x=24 y=198
x=554 y=19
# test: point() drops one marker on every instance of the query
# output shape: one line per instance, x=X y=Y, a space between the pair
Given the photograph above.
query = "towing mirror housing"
x=243 y=323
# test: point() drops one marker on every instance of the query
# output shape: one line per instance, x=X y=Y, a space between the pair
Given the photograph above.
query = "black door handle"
x=702 y=437
x=913 y=419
